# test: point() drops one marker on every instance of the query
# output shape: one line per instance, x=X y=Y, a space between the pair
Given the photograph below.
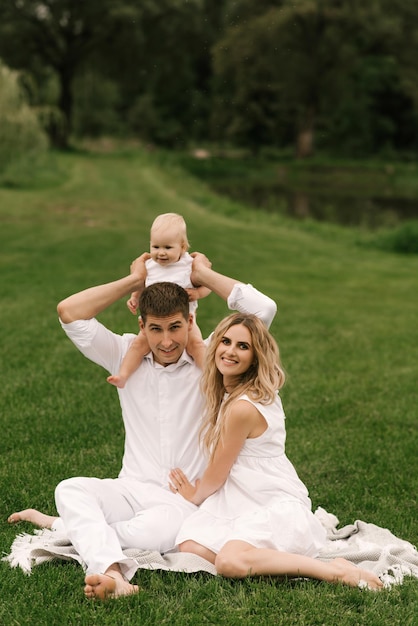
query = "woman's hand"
x=180 y=484
x=200 y=262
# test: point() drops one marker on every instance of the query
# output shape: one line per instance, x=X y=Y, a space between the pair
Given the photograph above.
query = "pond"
x=368 y=212
x=367 y=197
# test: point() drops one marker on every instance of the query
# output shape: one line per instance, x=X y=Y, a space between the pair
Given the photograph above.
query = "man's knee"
x=68 y=487
x=151 y=529
x=61 y=488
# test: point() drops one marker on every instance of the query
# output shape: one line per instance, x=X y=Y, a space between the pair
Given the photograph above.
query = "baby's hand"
x=197 y=293
x=193 y=294
x=133 y=304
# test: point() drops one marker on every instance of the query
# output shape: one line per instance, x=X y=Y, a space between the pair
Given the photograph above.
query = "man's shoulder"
x=92 y=331
x=80 y=328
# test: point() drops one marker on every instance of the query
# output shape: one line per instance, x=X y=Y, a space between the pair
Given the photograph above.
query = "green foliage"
x=331 y=72
x=59 y=36
x=287 y=60
x=134 y=53
x=312 y=74
x=402 y=239
x=147 y=121
x=378 y=115
x=96 y=103
x=170 y=101
x=22 y=140
x=248 y=103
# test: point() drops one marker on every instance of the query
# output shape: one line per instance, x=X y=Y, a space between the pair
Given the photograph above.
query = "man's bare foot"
x=349 y=574
x=118 y=381
x=104 y=586
x=33 y=516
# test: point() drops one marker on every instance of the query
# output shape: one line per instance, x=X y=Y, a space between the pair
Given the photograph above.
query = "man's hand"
x=138 y=269
x=88 y=303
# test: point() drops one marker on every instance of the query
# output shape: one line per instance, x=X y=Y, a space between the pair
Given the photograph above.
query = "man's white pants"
x=104 y=516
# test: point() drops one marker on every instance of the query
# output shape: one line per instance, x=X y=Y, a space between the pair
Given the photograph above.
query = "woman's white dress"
x=262 y=502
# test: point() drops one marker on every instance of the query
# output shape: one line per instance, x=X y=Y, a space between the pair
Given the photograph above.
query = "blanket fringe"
x=366 y=545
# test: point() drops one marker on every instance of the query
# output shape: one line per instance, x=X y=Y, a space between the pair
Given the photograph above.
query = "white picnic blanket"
x=367 y=545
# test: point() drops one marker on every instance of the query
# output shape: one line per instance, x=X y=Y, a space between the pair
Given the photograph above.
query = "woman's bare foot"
x=118 y=381
x=349 y=574
x=33 y=516
x=104 y=586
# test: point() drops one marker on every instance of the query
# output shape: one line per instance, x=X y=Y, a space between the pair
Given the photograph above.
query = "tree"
x=303 y=60
x=58 y=34
x=148 y=54
x=166 y=85
x=22 y=139
x=299 y=52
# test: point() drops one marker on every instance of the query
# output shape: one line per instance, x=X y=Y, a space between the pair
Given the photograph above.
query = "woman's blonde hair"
x=260 y=382
x=175 y=222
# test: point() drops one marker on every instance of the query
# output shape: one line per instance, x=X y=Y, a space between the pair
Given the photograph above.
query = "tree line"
x=337 y=75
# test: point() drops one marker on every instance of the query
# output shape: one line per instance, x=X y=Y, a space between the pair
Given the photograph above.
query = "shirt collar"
x=185 y=358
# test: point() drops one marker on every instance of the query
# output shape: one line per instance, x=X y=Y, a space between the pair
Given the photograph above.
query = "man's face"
x=167 y=336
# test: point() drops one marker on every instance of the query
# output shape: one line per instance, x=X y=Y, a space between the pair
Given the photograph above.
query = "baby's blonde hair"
x=175 y=222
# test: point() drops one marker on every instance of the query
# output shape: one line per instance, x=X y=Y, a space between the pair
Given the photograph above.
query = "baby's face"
x=166 y=247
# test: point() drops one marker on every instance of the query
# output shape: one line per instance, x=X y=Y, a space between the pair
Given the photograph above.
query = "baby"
x=169 y=262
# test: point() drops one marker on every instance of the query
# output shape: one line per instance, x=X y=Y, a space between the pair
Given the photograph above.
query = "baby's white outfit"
x=178 y=272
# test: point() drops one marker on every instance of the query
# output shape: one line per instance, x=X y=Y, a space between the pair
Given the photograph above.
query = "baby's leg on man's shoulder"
x=196 y=347
x=131 y=361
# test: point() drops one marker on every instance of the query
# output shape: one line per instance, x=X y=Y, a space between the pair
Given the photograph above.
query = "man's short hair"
x=163 y=299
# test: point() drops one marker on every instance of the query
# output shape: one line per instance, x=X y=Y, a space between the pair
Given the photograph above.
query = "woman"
x=255 y=514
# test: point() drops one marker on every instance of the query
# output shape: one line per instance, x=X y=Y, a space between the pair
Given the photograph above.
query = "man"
x=161 y=408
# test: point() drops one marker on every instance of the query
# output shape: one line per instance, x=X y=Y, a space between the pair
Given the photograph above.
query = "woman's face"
x=235 y=353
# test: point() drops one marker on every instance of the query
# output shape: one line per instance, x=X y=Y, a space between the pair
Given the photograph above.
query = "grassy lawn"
x=348 y=333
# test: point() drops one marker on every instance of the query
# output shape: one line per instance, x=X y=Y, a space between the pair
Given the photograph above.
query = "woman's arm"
x=239 y=296
x=243 y=420
x=204 y=276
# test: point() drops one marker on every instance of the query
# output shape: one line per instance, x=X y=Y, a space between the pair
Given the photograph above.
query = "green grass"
x=348 y=333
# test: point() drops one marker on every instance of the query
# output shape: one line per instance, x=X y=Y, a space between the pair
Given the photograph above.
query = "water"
x=370 y=212
x=357 y=196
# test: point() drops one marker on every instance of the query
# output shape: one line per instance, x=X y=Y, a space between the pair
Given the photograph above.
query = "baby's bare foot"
x=118 y=381
x=33 y=516
x=349 y=574
x=103 y=586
